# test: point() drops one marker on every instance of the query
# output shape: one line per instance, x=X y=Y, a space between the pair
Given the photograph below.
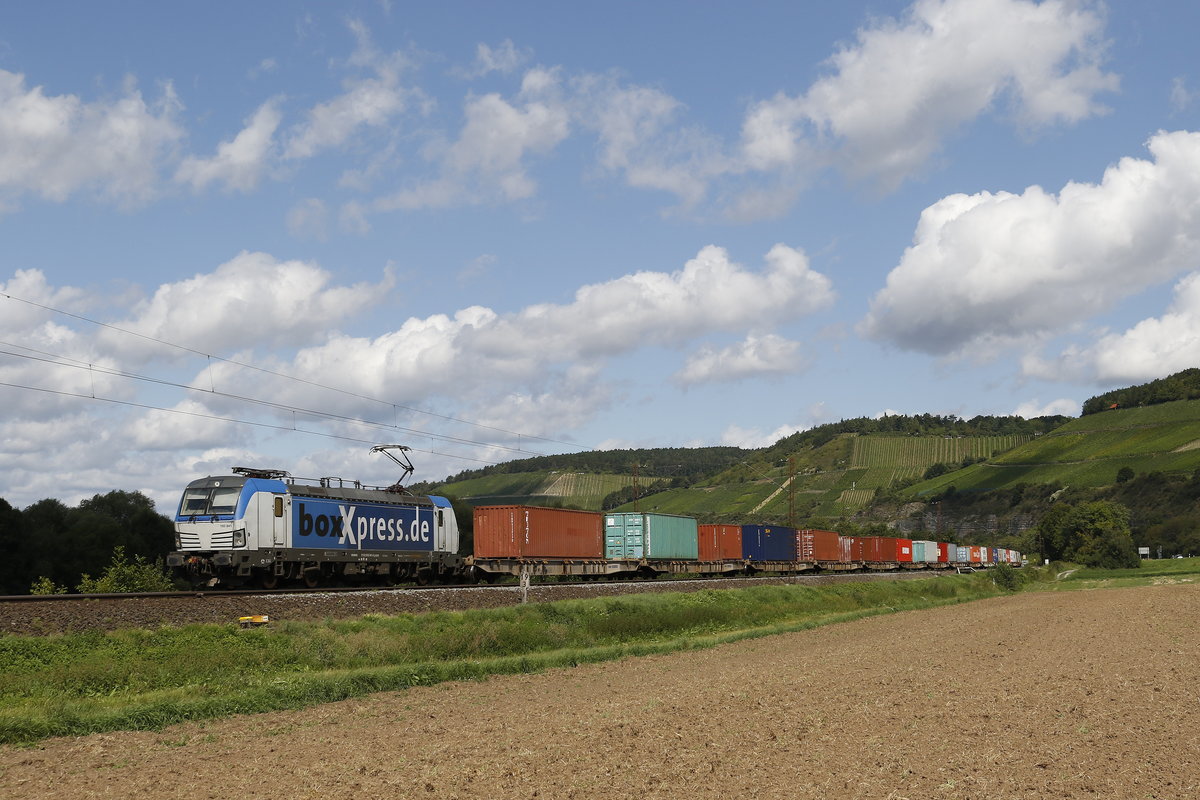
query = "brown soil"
x=1053 y=695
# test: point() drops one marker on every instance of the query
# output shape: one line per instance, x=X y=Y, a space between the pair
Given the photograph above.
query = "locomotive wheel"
x=423 y=577
x=312 y=578
x=269 y=580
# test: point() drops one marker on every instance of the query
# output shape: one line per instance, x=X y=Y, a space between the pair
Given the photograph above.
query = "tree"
x=13 y=576
x=1096 y=534
x=1125 y=474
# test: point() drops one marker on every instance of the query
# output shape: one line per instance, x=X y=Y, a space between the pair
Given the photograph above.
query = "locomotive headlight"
x=178 y=543
x=239 y=538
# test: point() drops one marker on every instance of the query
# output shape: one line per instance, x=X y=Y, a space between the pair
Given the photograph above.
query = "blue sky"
x=273 y=234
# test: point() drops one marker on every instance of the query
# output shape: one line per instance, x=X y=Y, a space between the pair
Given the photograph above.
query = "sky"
x=274 y=234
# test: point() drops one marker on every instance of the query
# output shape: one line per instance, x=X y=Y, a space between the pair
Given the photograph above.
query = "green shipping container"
x=635 y=535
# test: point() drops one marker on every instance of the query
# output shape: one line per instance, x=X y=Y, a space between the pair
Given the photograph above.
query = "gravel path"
x=1051 y=695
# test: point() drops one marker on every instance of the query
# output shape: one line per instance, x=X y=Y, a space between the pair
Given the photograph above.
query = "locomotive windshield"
x=205 y=501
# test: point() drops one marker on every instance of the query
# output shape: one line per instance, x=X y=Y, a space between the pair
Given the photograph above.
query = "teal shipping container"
x=636 y=535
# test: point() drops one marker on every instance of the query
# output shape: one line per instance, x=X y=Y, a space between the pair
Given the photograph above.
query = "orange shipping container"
x=815 y=545
x=532 y=532
x=720 y=542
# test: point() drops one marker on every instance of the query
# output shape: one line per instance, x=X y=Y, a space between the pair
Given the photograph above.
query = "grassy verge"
x=1152 y=572
x=76 y=684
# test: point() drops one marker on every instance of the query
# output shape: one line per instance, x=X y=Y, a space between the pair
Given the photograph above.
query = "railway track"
x=52 y=614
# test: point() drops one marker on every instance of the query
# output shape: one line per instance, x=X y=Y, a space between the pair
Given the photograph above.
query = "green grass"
x=77 y=684
x=1148 y=573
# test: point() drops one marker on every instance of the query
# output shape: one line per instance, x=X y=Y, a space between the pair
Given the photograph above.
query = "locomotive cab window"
x=209 y=501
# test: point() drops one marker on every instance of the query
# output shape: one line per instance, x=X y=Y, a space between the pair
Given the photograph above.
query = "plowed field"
x=1055 y=695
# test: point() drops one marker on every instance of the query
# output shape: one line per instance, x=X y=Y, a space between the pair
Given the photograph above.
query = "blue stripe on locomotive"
x=252 y=487
x=354 y=525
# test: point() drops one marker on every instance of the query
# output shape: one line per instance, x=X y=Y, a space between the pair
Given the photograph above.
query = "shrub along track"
x=1048 y=695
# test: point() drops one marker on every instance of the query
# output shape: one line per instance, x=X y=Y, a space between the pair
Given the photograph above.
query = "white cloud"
x=710 y=293
x=55 y=146
x=753 y=357
x=478 y=267
x=905 y=84
x=1153 y=348
x=239 y=162
x=253 y=299
x=504 y=58
x=640 y=137
x=754 y=439
x=352 y=218
x=530 y=355
x=366 y=102
x=487 y=161
x=990 y=269
x=1181 y=97
x=308 y=219
x=187 y=425
x=1033 y=408
x=42 y=351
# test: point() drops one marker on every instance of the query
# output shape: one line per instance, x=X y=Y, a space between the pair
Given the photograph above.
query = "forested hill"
x=686 y=462
x=1183 y=385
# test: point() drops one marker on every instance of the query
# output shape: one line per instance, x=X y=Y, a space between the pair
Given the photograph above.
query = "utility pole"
x=635 y=487
x=791 y=491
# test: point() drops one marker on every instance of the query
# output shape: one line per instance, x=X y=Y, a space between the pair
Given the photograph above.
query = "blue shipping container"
x=768 y=543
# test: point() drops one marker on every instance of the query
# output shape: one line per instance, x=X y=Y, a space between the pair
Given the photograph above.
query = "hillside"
x=1090 y=451
x=989 y=477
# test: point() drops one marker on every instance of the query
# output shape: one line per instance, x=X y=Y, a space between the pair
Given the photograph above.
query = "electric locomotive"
x=264 y=527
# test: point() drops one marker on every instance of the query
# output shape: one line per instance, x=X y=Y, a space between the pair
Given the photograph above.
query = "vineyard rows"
x=585 y=488
x=920 y=452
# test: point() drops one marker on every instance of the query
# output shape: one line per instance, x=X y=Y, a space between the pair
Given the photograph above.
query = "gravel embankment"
x=47 y=617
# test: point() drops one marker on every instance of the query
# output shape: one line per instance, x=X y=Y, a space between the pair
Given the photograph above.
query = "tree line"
x=65 y=548
x=677 y=462
x=1183 y=385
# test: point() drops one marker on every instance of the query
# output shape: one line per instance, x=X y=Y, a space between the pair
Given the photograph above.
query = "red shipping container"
x=977 y=556
x=857 y=548
x=720 y=542
x=872 y=548
x=944 y=553
x=532 y=532
x=846 y=548
x=814 y=545
x=903 y=550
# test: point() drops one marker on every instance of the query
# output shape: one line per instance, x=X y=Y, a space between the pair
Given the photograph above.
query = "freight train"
x=266 y=528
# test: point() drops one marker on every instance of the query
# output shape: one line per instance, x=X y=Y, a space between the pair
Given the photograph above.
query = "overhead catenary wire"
x=283 y=375
x=66 y=361
x=270 y=426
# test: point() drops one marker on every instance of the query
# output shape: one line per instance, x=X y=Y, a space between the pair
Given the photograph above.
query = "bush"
x=124 y=575
x=44 y=585
x=1004 y=576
